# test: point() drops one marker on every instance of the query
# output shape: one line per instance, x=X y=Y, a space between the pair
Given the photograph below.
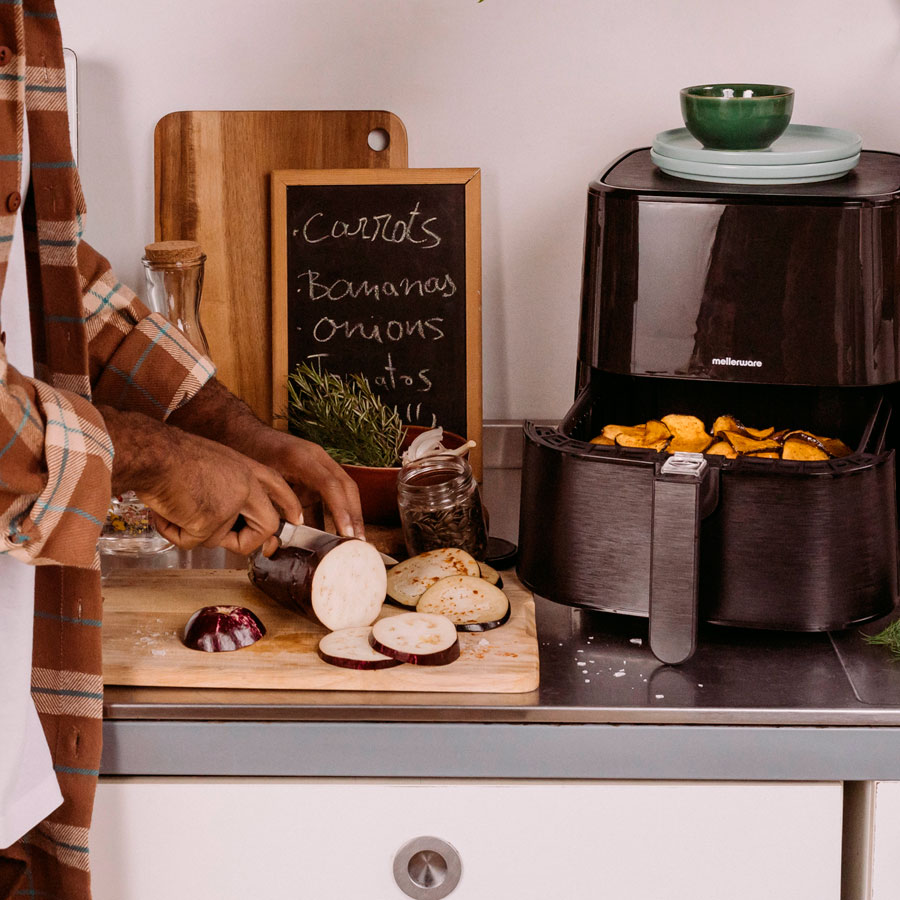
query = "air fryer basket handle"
x=683 y=491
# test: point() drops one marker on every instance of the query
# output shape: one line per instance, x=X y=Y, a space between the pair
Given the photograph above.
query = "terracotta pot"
x=378 y=486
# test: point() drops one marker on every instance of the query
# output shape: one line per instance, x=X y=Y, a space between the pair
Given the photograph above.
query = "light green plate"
x=798 y=145
x=738 y=174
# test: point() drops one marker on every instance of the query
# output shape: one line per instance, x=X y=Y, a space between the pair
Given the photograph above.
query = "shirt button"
x=14 y=201
x=5 y=54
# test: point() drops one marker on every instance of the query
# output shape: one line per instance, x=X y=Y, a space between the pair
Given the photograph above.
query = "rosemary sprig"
x=889 y=637
x=345 y=416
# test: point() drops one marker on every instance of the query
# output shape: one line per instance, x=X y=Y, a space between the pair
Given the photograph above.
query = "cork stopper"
x=173 y=252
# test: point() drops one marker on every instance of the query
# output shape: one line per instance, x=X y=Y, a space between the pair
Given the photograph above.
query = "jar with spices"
x=440 y=506
x=129 y=530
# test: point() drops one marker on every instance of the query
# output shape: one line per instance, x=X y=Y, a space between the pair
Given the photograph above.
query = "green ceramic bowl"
x=737 y=116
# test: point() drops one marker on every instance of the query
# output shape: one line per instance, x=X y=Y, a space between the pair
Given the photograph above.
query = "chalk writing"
x=384 y=226
x=376 y=277
x=342 y=288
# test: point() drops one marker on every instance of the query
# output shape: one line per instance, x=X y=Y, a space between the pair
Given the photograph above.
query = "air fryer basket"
x=800 y=546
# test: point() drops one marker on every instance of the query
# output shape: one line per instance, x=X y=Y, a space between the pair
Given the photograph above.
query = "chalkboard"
x=379 y=272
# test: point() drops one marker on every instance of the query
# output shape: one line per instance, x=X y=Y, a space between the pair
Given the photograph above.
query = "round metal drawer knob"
x=427 y=868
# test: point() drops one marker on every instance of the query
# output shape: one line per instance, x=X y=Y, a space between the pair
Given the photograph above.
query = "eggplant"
x=471 y=604
x=408 y=580
x=220 y=628
x=422 y=639
x=336 y=581
x=490 y=574
x=349 y=648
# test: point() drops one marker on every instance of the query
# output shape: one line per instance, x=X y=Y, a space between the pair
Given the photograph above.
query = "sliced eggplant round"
x=408 y=580
x=471 y=604
x=349 y=648
x=490 y=574
x=422 y=639
x=339 y=582
x=217 y=629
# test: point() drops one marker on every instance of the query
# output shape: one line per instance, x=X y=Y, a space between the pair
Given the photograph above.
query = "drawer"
x=337 y=838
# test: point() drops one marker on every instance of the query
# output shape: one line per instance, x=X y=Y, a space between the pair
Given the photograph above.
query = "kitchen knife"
x=303 y=535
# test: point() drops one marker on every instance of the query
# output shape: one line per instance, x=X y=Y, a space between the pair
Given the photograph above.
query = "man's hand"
x=197 y=488
x=217 y=414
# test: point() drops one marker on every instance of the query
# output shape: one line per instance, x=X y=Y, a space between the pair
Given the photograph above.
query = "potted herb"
x=358 y=430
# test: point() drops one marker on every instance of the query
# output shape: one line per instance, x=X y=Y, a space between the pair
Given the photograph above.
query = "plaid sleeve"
x=139 y=360
x=55 y=464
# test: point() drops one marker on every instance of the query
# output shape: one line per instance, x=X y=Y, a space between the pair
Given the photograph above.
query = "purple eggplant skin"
x=287 y=575
x=221 y=628
x=486 y=626
x=441 y=658
x=358 y=664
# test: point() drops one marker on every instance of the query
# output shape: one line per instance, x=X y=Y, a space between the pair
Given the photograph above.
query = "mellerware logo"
x=728 y=361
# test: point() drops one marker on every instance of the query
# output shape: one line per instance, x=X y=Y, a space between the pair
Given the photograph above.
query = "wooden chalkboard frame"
x=471 y=180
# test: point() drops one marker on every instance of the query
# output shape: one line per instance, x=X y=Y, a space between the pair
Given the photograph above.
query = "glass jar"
x=440 y=506
x=129 y=530
x=174 y=274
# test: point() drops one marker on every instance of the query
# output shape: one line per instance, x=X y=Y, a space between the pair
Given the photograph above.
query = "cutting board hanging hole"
x=379 y=139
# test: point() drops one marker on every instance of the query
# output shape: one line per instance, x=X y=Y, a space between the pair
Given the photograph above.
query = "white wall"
x=539 y=93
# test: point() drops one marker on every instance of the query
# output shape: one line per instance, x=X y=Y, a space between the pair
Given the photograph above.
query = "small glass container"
x=440 y=506
x=129 y=529
x=174 y=274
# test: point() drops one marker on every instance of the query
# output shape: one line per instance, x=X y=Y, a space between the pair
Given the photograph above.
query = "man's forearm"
x=143 y=446
x=215 y=413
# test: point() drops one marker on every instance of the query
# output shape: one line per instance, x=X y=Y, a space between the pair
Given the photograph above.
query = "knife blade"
x=305 y=536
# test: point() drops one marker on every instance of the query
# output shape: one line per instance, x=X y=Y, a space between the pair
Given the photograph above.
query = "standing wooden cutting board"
x=144 y=612
x=212 y=186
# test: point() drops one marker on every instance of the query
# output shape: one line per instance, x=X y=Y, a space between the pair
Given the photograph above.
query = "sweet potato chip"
x=651 y=436
x=744 y=444
x=731 y=424
x=765 y=454
x=722 y=448
x=796 y=448
x=806 y=437
x=688 y=434
x=835 y=447
x=603 y=441
x=759 y=433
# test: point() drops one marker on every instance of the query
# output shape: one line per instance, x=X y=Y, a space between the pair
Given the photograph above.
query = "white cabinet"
x=884 y=840
x=234 y=839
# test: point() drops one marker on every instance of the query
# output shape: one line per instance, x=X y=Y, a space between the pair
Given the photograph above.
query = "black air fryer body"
x=774 y=304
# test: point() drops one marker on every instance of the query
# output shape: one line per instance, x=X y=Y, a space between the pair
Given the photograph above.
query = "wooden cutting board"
x=145 y=612
x=212 y=186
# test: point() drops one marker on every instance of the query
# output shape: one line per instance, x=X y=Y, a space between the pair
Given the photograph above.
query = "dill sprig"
x=345 y=416
x=888 y=637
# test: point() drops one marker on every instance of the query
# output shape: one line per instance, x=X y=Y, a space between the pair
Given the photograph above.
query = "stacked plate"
x=804 y=153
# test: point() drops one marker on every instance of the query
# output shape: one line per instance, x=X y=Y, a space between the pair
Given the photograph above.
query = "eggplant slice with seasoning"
x=471 y=604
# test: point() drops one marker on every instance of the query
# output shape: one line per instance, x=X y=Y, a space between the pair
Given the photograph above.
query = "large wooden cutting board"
x=145 y=612
x=212 y=186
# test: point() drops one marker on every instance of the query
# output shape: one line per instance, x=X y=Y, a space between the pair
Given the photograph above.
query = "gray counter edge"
x=471 y=750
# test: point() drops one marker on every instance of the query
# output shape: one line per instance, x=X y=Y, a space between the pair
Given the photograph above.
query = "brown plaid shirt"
x=94 y=342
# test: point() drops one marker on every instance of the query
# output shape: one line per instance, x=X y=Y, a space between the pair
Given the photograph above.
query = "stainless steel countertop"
x=832 y=693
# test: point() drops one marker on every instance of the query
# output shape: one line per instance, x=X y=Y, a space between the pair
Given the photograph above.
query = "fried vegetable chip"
x=729 y=438
x=730 y=423
x=835 y=447
x=744 y=444
x=796 y=448
x=722 y=448
x=653 y=435
x=688 y=434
